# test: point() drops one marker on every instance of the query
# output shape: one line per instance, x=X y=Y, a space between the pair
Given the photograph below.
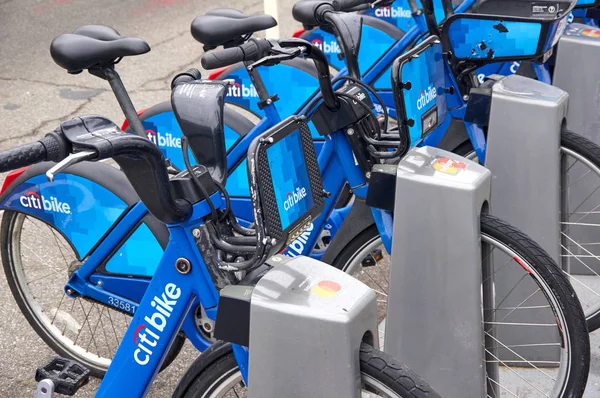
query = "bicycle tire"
x=551 y=274
x=218 y=374
x=585 y=148
x=26 y=307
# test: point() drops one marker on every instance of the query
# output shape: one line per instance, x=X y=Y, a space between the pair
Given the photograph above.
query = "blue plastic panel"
x=397 y=14
x=290 y=179
x=374 y=43
x=71 y=204
x=472 y=38
x=139 y=255
x=426 y=76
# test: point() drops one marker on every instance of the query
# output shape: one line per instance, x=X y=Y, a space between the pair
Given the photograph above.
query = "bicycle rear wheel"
x=564 y=363
x=381 y=376
x=38 y=262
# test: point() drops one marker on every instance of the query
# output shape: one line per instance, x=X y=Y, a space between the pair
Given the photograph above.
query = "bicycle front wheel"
x=529 y=367
x=580 y=218
x=381 y=376
x=38 y=262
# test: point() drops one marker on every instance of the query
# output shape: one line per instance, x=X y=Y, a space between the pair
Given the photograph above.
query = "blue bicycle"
x=103 y=285
x=202 y=231
x=580 y=163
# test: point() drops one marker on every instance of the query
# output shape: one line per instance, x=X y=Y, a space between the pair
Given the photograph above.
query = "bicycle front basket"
x=285 y=181
x=418 y=81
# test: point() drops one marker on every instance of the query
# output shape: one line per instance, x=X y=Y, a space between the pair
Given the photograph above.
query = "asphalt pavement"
x=35 y=95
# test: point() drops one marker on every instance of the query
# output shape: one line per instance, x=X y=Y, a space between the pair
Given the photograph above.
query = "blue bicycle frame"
x=165 y=306
x=335 y=155
x=125 y=292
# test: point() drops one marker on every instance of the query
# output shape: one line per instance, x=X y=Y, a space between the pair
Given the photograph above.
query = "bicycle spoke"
x=519 y=356
x=502 y=387
x=496 y=270
x=585 y=250
x=113 y=326
x=43 y=277
x=58 y=309
x=89 y=326
x=377 y=283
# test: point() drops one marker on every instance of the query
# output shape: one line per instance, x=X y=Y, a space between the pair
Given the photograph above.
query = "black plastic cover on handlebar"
x=48 y=148
x=252 y=50
x=308 y=12
x=347 y=5
x=142 y=162
x=22 y=156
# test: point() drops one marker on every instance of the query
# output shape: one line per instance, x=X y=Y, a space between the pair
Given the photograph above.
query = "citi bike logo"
x=426 y=96
x=167 y=140
x=328 y=47
x=292 y=198
x=240 y=90
x=33 y=200
x=297 y=246
x=146 y=336
x=392 y=12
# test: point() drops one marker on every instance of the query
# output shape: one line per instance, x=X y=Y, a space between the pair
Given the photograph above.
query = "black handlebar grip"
x=188 y=76
x=21 y=156
x=222 y=58
x=255 y=49
x=308 y=12
x=346 y=5
x=57 y=148
x=252 y=50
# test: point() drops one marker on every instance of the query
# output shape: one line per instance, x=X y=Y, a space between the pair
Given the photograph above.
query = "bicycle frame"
x=164 y=308
x=124 y=293
x=162 y=312
x=335 y=155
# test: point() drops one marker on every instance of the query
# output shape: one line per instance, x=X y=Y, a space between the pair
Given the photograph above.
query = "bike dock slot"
x=434 y=318
x=576 y=72
x=524 y=158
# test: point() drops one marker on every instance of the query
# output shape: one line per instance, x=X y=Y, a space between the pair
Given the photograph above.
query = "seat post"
x=109 y=73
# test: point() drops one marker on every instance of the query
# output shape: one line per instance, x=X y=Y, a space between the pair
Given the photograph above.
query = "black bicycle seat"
x=227 y=27
x=93 y=46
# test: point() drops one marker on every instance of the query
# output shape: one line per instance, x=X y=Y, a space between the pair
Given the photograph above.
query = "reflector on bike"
x=285 y=178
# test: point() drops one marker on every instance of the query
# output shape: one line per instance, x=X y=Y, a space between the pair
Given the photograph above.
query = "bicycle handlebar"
x=252 y=50
x=257 y=49
x=48 y=148
x=140 y=160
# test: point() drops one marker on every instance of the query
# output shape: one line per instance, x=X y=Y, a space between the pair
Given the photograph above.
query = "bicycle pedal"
x=373 y=258
x=67 y=375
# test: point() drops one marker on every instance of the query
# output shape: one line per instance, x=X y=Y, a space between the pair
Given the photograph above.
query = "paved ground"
x=35 y=95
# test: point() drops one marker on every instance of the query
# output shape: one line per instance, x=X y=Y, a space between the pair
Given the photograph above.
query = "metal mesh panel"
x=269 y=204
x=312 y=165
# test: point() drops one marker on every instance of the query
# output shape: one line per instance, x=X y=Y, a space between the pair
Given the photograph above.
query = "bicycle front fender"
x=83 y=204
x=358 y=219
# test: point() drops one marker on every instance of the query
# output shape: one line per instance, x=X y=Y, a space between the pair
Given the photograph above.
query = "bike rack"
x=434 y=317
x=307 y=321
x=576 y=72
x=523 y=155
